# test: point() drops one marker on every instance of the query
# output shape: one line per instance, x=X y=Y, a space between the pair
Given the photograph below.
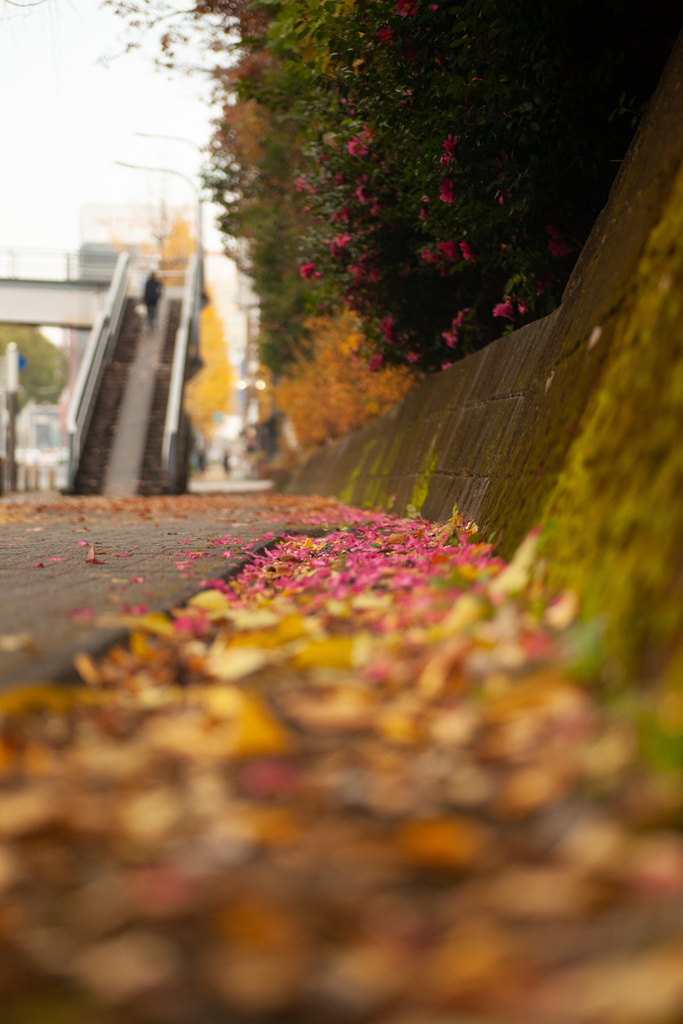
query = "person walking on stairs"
x=153 y=290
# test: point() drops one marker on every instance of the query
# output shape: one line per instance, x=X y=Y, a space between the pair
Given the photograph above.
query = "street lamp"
x=169 y=138
x=188 y=142
x=198 y=195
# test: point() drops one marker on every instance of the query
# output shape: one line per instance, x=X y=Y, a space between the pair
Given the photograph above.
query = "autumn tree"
x=175 y=252
x=331 y=393
x=210 y=391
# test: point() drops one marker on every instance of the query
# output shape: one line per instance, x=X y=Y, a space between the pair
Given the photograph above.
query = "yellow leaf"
x=86 y=669
x=139 y=646
x=515 y=577
x=260 y=618
x=466 y=611
x=331 y=652
x=221 y=702
x=232 y=662
x=210 y=601
x=16 y=642
x=258 y=733
x=154 y=622
x=398 y=725
x=291 y=627
x=35 y=698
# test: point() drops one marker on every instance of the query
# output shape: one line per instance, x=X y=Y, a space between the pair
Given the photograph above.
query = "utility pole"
x=3 y=432
x=12 y=377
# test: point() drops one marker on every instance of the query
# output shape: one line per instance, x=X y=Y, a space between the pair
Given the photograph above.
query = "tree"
x=330 y=393
x=46 y=372
x=210 y=391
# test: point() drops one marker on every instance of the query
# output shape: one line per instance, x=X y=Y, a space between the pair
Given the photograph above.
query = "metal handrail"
x=98 y=353
x=187 y=331
x=24 y=264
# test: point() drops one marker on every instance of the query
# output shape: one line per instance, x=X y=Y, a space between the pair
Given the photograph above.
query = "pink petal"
x=82 y=613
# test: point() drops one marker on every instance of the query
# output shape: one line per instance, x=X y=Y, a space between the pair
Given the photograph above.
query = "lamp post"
x=12 y=385
x=197 y=192
x=187 y=142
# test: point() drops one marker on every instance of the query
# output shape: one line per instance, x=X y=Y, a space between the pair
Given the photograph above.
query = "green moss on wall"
x=617 y=509
x=421 y=488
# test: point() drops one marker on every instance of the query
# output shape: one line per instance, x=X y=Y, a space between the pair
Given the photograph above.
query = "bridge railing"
x=186 y=349
x=27 y=264
x=97 y=355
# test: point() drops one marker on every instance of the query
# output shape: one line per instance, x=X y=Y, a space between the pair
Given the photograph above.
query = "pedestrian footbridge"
x=55 y=288
x=127 y=430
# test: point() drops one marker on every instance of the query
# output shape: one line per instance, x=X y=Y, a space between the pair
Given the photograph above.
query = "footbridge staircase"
x=127 y=430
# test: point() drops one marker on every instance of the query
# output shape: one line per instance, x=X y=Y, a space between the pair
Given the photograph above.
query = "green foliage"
x=46 y=372
x=255 y=156
x=453 y=156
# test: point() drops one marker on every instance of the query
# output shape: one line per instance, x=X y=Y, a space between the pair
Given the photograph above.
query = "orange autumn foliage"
x=211 y=390
x=329 y=395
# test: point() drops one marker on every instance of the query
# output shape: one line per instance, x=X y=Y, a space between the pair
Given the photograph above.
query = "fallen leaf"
x=91 y=557
x=16 y=642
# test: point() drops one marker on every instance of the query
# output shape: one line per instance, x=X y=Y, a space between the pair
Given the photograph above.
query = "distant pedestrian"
x=153 y=290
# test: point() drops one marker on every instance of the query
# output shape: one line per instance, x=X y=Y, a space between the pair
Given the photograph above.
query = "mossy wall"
x=574 y=420
x=615 y=518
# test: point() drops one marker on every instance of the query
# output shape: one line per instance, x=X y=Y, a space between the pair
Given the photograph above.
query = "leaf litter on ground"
x=361 y=780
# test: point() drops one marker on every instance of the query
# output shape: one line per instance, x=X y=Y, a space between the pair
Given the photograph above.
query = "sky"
x=66 y=117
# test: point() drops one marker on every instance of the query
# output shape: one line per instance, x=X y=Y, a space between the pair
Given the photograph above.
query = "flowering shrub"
x=449 y=156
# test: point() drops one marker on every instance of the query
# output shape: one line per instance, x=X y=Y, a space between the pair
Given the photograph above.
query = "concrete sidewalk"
x=51 y=598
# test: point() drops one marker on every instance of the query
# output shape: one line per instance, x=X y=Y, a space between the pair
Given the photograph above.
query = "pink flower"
x=341 y=215
x=360 y=194
x=445 y=364
x=446 y=191
x=375 y=363
x=386 y=326
x=449 y=143
x=522 y=307
x=301 y=185
x=505 y=309
x=448 y=251
x=307 y=270
x=339 y=243
x=466 y=251
x=406 y=8
x=385 y=35
x=452 y=337
x=430 y=257
x=357 y=146
x=558 y=247
x=433 y=7
x=413 y=357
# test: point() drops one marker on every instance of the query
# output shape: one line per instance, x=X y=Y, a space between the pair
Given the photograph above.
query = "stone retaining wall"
x=493 y=432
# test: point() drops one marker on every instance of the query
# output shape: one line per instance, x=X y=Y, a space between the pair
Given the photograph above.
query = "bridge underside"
x=53 y=303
